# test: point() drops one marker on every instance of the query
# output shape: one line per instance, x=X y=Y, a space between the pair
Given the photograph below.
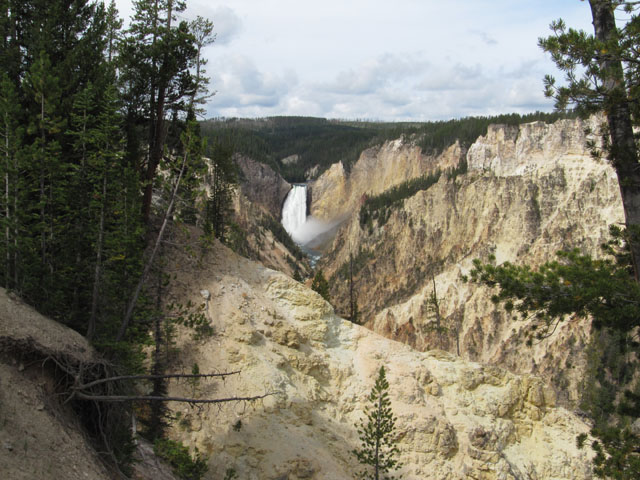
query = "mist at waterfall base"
x=304 y=230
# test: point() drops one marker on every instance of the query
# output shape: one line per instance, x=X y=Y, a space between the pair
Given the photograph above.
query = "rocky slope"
x=456 y=419
x=261 y=185
x=337 y=193
x=41 y=437
x=530 y=191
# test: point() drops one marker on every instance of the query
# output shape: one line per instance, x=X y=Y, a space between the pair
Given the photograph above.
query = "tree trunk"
x=156 y=146
x=378 y=436
x=353 y=307
x=15 y=225
x=98 y=269
x=7 y=272
x=624 y=155
x=43 y=233
x=145 y=273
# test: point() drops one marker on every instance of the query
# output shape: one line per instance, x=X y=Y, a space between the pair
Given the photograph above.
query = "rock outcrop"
x=337 y=192
x=455 y=419
x=512 y=151
x=261 y=185
x=530 y=192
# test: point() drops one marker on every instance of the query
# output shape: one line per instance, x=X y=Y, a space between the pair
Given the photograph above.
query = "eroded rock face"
x=261 y=243
x=529 y=192
x=509 y=150
x=336 y=192
x=261 y=185
x=455 y=419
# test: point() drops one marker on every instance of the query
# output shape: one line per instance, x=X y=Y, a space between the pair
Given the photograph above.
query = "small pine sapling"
x=378 y=452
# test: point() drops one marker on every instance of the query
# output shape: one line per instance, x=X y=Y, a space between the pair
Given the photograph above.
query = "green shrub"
x=177 y=455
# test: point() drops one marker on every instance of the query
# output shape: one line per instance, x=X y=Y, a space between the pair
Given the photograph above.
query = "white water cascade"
x=307 y=231
x=294 y=212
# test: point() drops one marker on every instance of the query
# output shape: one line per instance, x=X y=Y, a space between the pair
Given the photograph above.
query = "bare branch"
x=149 y=398
x=155 y=377
x=147 y=268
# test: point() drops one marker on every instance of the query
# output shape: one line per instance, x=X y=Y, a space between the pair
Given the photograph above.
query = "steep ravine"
x=255 y=230
x=529 y=192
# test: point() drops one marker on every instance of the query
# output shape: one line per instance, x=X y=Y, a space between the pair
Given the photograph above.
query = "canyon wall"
x=337 y=193
x=529 y=192
x=455 y=419
x=261 y=185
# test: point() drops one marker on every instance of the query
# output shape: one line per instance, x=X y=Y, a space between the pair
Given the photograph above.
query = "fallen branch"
x=149 y=398
x=155 y=377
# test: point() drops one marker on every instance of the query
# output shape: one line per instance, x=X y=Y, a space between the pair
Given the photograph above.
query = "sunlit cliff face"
x=529 y=192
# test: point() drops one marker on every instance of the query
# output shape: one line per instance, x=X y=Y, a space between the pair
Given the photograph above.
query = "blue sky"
x=379 y=60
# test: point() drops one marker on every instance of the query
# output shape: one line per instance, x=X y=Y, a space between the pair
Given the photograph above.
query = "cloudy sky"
x=379 y=59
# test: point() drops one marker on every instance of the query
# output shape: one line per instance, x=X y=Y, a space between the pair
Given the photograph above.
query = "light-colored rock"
x=336 y=192
x=290 y=160
x=510 y=150
x=530 y=192
x=455 y=419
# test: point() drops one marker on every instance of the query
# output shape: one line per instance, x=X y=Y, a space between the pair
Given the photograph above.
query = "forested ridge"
x=321 y=142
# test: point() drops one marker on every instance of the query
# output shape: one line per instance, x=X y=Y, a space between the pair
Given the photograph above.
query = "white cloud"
x=376 y=74
x=407 y=59
x=227 y=24
x=241 y=84
x=456 y=77
x=485 y=37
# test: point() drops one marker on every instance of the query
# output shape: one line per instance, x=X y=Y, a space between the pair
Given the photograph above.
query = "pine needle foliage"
x=321 y=285
x=606 y=291
x=378 y=452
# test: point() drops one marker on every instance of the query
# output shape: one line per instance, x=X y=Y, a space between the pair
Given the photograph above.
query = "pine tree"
x=320 y=285
x=377 y=434
x=156 y=58
x=221 y=180
x=10 y=134
x=202 y=30
x=353 y=300
x=601 y=71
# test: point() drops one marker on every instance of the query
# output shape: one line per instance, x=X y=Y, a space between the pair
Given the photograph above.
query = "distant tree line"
x=321 y=142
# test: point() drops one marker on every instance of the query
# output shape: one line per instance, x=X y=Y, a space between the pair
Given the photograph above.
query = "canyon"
x=471 y=401
x=455 y=418
x=529 y=192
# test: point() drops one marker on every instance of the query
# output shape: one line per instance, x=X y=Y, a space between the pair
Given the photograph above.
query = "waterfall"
x=302 y=229
x=294 y=211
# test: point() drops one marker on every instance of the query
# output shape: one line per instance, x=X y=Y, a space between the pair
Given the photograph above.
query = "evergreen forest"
x=101 y=152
